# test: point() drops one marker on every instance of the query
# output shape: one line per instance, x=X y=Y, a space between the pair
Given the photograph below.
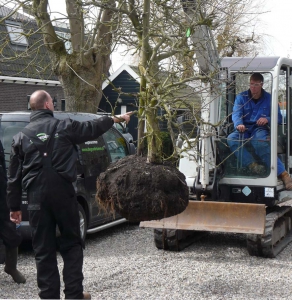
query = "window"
x=8 y=130
x=16 y=33
x=28 y=104
x=63 y=105
x=116 y=145
x=65 y=37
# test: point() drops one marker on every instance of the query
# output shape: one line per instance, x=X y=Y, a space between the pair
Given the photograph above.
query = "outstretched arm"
x=121 y=118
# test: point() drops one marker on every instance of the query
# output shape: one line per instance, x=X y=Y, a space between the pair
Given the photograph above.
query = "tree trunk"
x=80 y=72
x=80 y=95
x=82 y=82
x=153 y=138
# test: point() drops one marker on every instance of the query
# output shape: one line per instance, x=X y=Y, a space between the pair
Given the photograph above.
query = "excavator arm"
x=208 y=61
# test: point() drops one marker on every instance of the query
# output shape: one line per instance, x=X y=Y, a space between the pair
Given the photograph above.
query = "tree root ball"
x=141 y=191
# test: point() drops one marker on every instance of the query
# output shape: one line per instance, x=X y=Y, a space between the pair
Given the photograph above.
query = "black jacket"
x=26 y=162
x=4 y=212
x=3 y=175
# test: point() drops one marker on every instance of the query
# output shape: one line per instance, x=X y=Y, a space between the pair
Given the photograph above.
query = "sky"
x=275 y=26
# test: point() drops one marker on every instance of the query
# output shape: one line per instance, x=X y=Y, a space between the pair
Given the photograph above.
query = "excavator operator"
x=251 y=117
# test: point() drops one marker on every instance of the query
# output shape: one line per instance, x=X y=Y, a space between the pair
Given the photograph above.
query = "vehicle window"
x=119 y=127
x=116 y=145
x=242 y=82
x=7 y=131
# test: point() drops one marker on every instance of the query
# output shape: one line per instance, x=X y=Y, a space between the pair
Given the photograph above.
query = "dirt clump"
x=140 y=191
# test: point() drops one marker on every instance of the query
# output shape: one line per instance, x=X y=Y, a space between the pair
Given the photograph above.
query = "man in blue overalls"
x=251 y=117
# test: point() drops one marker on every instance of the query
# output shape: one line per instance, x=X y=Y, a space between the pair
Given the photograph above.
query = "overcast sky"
x=276 y=26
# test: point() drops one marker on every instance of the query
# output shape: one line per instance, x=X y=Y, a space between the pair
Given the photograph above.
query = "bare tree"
x=236 y=28
x=80 y=67
x=159 y=32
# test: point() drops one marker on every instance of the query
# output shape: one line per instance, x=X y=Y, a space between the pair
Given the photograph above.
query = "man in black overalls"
x=10 y=237
x=44 y=158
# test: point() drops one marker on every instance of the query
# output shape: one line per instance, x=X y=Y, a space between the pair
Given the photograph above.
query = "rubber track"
x=175 y=239
x=160 y=239
x=261 y=245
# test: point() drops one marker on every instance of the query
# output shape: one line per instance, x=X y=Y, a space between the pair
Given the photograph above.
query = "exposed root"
x=140 y=191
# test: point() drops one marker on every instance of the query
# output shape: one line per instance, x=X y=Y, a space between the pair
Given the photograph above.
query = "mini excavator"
x=224 y=195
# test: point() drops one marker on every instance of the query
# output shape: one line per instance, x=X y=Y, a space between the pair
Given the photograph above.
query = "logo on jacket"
x=43 y=136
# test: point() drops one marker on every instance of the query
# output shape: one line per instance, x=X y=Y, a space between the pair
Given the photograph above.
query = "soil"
x=140 y=191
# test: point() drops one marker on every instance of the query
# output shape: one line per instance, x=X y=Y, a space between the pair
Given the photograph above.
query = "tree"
x=157 y=31
x=237 y=35
x=166 y=34
x=82 y=67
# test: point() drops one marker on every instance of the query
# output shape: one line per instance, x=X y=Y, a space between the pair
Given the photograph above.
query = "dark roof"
x=32 y=61
x=17 y=17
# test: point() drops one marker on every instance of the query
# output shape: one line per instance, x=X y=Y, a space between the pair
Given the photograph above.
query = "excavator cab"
x=233 y=162
x=225 y=195
x=237 y=182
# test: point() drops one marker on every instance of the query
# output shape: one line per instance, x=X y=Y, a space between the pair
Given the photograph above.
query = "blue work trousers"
x=259 y=139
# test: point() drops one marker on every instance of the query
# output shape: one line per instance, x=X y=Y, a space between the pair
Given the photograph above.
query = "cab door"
x=283 y=102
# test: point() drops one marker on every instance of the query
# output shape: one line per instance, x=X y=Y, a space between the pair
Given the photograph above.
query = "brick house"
x=24 y=65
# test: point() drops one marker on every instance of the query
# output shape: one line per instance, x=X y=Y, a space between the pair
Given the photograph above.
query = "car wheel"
x=83 y=222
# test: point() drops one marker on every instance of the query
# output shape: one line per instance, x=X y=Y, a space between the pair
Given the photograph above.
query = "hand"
x=262 y=122
x=241 y=128
x=123 y=118
x=16 y=216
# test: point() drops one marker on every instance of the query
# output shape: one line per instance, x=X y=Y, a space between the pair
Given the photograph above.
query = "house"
x=25 y=66
x=120 y=95
x=128 y=80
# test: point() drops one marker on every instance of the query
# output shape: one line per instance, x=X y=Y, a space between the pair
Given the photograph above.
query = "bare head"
x=41 y=100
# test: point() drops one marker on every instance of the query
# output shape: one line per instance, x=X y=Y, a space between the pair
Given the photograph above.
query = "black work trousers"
x=50 y=204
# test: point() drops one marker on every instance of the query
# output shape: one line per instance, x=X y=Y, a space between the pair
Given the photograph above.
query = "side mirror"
x=132 y=149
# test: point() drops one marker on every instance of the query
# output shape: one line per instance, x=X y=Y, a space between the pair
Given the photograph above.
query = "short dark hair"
x=257 y=77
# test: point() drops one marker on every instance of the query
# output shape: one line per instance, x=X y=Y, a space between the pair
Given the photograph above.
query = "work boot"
x=255 y=168
x=285 y=177
x=86 y=295
x=10 y=265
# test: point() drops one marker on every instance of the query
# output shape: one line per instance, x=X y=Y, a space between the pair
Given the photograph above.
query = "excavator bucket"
x=216 y=216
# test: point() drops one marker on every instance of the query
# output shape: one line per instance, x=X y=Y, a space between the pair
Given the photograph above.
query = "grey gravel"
x=123 y=263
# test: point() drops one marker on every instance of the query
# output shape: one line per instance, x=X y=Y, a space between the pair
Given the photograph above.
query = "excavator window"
x=234 y=161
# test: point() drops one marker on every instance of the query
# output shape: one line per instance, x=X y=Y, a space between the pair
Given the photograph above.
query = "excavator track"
x=175 y=239
x=277 y=233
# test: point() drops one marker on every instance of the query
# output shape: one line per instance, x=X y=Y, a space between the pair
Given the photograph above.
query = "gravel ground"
x=123 y=263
